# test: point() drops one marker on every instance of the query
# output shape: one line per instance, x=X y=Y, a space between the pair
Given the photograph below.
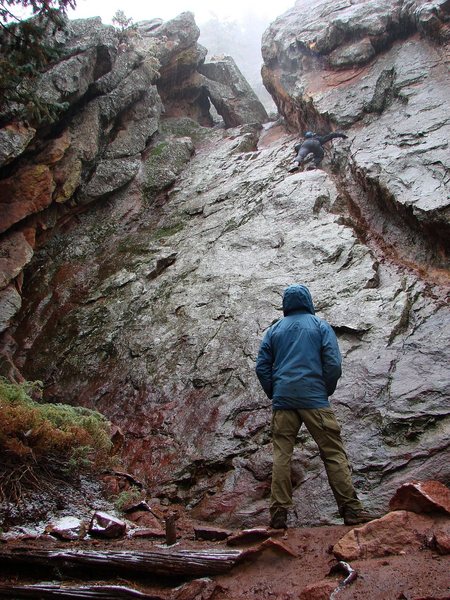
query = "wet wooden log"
x=193 y=563
x=91 y=592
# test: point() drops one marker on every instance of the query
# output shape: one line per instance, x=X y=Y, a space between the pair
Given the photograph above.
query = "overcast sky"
x=168 y=9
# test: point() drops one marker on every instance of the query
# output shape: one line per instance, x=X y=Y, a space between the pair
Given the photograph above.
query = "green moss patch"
x=43 y=439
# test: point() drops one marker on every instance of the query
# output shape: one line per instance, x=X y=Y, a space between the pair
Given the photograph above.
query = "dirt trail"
x=267 y=575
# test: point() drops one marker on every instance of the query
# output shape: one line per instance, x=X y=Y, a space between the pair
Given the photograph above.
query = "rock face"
x=118 y=87
x=166 y=245
x=380 y=68
x=230 y=93
x=188 y=86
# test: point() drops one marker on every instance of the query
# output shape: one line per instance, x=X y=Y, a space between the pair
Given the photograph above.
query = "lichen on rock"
x=165 y=162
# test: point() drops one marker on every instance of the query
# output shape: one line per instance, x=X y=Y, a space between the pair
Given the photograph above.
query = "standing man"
x=298 y=366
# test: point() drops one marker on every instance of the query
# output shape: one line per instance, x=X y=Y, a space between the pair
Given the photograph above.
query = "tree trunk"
x=156 y=562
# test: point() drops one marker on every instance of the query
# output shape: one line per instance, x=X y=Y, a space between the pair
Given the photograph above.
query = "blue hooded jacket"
x=299 y=362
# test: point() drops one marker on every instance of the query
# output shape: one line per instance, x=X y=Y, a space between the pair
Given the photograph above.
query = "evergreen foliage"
x=125 y=27
x=121 y=21
x=128 y=497
x=26 y=48
x=55 y=439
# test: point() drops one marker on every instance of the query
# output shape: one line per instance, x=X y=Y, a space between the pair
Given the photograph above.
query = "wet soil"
x=270 y=574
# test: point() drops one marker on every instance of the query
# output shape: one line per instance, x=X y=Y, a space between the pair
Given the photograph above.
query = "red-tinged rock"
x=431 y=597
x=117 y=438
x=67 y=528
x=117 y=482
x=27 y=192
x=54 y=150
x=422 y=497
x=396 y=533
x=15 y=253
x=279 y=546
x=111 y=485
x=67 y=176
x=271 y=544
x=148 y=533
x=442 y=542
x=131 y=479
x=144 y=519
x=228 y=508
x=212 y=534
x=159 y=511
x=104 y=525
x=203 y=589
x=321 y=590
x=248 y=536
x=134 y=506
x=29 y=233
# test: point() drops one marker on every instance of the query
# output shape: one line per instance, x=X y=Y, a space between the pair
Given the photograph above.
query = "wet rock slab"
x=147 y=532
x=352 y=66
x=320 y=590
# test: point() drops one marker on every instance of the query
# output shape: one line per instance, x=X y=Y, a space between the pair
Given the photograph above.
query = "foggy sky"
x=203 y=10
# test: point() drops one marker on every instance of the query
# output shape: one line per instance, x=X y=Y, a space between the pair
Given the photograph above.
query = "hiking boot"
x=357 y=517
x=293 y=167
x=279 y=518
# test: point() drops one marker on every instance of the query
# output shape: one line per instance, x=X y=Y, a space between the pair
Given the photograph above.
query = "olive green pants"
x=322 y=425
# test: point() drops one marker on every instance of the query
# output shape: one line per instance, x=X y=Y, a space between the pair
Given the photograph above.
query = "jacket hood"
x=297 y=298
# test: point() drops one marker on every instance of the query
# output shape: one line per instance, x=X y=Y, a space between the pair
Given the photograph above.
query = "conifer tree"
x=121 y=21
x=25 y=51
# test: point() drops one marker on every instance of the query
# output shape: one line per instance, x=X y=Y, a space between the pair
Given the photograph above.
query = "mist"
x=241 y=39
x=234 y=28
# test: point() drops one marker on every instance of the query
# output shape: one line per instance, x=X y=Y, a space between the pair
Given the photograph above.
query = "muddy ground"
x=270 y=574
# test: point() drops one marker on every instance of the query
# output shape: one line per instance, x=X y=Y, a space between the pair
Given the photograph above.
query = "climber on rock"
x=313 y=144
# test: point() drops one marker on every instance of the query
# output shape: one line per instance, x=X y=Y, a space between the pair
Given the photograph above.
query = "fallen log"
x=193 y=563
x=44 y=591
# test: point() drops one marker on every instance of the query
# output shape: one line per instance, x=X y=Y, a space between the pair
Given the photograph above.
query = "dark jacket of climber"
x=299 y=362
x=313 y=144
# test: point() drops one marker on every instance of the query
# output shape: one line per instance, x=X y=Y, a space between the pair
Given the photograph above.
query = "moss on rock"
x=165 y=162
